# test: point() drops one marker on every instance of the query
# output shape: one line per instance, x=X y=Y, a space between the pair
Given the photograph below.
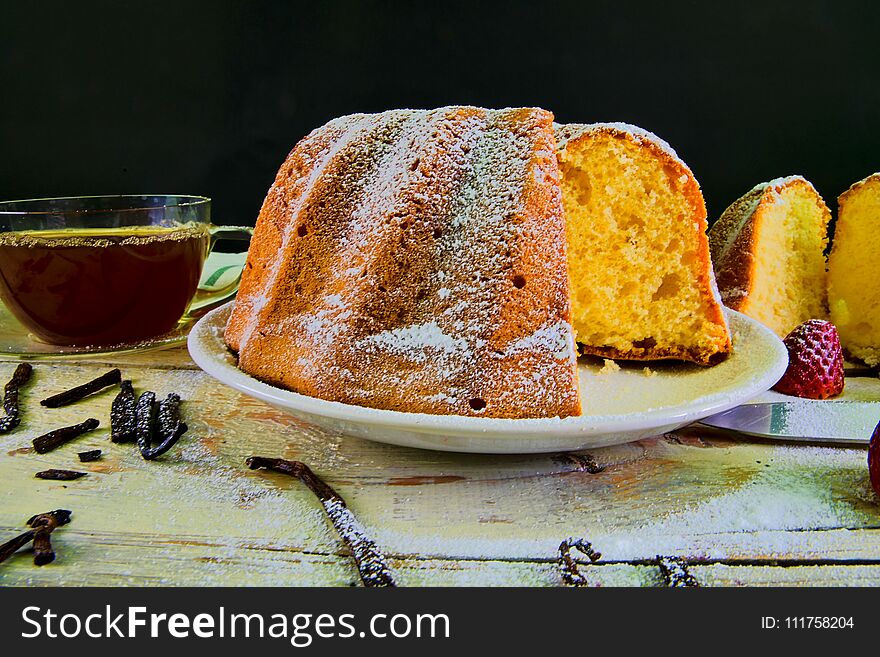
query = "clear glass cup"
x=108 y=270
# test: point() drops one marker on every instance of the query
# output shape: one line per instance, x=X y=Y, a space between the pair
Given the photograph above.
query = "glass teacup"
x=107 y=270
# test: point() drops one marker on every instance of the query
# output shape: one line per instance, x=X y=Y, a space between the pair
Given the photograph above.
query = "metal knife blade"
x=839 y=422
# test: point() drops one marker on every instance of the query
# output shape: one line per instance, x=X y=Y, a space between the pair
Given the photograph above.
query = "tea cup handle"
x=220 y=284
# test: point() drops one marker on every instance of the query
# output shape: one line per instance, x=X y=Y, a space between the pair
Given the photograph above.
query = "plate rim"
x=581 y=425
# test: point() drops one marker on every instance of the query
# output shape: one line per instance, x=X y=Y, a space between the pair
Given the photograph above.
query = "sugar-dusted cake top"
x=415 y=260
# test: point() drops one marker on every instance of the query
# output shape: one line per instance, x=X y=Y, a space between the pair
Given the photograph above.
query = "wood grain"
x=740 y=512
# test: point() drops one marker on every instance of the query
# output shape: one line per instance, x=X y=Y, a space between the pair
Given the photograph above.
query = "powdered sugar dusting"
x=350 y=125
x=556 y=339
x=417 y=338
x=371 y=562
x=399 y=276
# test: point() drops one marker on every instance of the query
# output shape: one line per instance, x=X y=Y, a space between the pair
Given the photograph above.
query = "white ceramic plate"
x=634 y=402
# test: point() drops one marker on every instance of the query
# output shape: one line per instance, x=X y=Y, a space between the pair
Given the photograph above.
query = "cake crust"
x=732 y=244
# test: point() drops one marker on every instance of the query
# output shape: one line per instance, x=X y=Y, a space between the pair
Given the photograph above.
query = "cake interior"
x=789 y=266
x=853 y=285
x=633 y=253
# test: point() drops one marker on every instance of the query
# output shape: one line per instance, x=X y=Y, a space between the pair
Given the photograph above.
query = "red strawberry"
x=874 y=460
x=815 y=361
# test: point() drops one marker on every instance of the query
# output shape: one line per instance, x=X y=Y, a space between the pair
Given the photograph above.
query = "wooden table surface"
x=739 y=511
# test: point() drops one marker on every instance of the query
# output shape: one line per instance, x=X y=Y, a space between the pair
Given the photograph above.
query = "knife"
x=841 y=422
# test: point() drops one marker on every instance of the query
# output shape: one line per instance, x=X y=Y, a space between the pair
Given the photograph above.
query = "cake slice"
x=415 y=261
x=853 y=283
x=768 y=248
x=641 y=280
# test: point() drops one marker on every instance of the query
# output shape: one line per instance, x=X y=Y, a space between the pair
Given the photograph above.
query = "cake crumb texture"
x=608 y=365
x=641 y=278
x=853 y=281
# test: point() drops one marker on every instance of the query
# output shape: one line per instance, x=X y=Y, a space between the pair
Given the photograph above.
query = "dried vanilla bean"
x=12 y=546
x=675 y=572
x=168 y=426
x=90 y=455
x=570 y=572
x=43 y=525
x=43 y=552
x=122 y=414
x=162 y=419
x=21 y=376
x=60 y=516
x=145 y=417
x=167 y=443
x=12 y=412
x=168 y=415
x=370 y=562
x=57 y=437
x=110 y=378
x=60 y=475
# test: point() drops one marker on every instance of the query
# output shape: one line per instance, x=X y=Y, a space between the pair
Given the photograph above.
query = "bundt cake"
x=415 y=261
x=768 y=249
x=853 y=283
x=641 y=280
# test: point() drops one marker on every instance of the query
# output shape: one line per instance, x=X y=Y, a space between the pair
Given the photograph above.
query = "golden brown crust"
x=576 y=134
x=415 y=261
x=873 y=179
x=289 y=186
x=704 y=357
x=732 y=245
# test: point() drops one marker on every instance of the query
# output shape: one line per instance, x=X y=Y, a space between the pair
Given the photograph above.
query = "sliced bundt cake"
x=415 y=261
x=768 y=250
x=641 y=278
x=853 y=283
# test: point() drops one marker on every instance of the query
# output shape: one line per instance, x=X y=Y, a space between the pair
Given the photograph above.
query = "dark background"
x=208 y=97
